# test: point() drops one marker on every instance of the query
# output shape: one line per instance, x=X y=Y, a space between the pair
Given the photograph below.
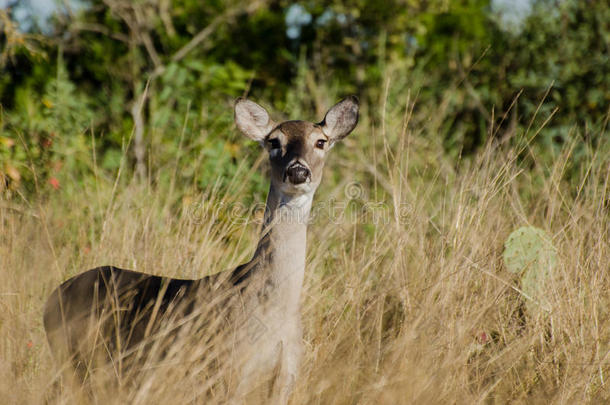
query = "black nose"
x=297 y=173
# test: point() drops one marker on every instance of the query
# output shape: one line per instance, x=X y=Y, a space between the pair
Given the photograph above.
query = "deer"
x=79 y=312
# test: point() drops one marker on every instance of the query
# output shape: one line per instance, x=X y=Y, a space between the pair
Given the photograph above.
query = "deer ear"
x=252 y=119
x=341 y=119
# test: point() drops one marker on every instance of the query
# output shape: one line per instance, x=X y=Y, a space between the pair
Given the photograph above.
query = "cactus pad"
x=529 y=253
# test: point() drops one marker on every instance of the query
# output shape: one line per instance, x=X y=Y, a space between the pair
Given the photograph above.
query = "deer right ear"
x=252 y=119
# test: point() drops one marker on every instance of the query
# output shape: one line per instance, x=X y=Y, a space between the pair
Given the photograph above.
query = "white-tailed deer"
x=117 y=310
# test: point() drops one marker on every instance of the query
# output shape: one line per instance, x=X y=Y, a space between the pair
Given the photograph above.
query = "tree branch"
x=80 y=26
x=208 y=30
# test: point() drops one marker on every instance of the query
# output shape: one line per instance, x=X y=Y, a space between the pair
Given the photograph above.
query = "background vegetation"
x=117 y=146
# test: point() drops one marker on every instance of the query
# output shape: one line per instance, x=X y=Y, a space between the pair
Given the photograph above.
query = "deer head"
x=297 y=149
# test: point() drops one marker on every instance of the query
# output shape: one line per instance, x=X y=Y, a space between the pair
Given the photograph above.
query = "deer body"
x=120 y=309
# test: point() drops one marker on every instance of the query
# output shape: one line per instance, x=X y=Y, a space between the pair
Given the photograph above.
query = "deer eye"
x=320 y=143
x=274 y=143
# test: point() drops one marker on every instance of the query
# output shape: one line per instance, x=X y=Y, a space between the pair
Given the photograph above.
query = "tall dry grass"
x=406 y=298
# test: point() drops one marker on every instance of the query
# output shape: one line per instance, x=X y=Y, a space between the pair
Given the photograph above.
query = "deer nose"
x=297 y=173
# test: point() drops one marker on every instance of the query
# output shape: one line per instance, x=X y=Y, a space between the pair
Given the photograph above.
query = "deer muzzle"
x=297 y=173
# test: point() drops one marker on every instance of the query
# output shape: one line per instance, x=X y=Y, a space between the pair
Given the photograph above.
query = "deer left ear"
x=341 y=119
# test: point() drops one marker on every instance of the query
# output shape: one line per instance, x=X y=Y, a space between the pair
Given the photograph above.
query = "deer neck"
x=281 y=251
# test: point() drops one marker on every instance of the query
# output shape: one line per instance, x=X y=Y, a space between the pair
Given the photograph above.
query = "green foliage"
x=463 y=69
x=530 y=254
x=48 y=131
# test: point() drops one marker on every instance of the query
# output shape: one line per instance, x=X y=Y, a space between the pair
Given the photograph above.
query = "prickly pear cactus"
x=529 y=253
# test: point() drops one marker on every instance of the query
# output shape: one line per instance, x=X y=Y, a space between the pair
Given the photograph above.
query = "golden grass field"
x=411 y=305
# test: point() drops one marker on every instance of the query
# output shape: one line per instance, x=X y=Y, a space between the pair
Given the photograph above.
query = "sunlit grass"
x=413 y=307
